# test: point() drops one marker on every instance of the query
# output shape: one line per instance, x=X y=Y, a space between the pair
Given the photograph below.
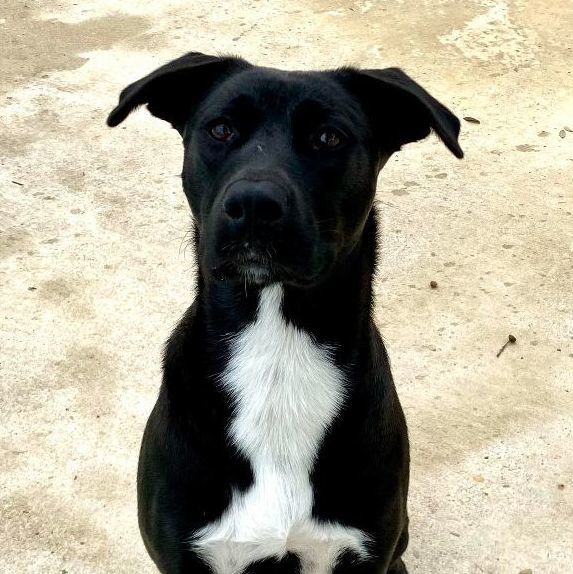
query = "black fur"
x=273 y=198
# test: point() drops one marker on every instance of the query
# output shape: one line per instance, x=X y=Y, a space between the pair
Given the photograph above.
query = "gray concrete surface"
x=96 y=268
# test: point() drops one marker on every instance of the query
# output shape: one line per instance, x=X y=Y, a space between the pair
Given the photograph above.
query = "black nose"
x=254 y=202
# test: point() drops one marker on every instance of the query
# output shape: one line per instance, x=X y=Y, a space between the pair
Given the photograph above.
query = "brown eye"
x=327 y=139
x=221 y=131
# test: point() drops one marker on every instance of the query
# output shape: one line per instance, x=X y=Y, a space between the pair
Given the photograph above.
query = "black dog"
x=277 y=444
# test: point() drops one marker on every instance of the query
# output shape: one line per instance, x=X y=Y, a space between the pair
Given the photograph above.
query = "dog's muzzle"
x=251 y=225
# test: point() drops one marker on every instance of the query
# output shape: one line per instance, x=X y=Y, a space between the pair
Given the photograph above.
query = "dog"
x=278 y=444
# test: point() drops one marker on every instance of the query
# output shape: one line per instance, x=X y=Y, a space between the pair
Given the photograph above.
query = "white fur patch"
x=287 y=391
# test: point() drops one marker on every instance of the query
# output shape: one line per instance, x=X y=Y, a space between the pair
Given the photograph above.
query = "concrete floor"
x=95 y=266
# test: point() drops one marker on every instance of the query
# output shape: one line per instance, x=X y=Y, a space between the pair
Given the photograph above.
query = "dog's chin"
x=261 y=269
x=259 y=274
x=256 y=274
x=249 y=272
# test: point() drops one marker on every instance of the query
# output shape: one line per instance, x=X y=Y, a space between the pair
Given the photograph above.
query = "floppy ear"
x=172 y=90
x=402 y=110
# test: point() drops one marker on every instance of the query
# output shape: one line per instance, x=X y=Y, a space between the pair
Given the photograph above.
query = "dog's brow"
x=319 y=111
x=242 y=103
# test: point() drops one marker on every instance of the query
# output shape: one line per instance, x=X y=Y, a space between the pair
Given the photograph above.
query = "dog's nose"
x=254 y=202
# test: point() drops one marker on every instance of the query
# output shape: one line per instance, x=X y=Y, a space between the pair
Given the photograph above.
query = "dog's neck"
x=336 y=312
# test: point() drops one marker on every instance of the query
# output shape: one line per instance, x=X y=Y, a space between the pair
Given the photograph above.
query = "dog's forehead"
x=283 y=90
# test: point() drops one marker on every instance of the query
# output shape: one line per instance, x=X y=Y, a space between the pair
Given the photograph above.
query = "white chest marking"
x=287 y=391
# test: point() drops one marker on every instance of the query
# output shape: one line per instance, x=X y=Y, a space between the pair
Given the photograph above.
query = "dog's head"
x=280 y=167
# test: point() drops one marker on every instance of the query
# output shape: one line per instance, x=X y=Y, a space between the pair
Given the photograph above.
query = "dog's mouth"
x=259 y=263
x=248 y=262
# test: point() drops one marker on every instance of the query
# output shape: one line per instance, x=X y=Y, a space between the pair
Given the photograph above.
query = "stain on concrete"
x=492 y=36
x=86 y=364
x=526 y=147
x=91 y=372
x=487 y=423
x=73 y=178
x=13 y=241
x=93 y=482
x=32 y=47
x=382 y=25
x=84 y=537
x=55 y=290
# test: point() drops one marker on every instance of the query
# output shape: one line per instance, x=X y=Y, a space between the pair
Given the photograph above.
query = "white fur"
x=287 y=390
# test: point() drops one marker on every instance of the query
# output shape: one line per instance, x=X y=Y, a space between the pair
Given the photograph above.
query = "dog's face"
x=280 y=171
x=280 y=167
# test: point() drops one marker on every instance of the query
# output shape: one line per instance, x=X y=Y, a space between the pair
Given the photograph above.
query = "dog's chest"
x=287 y=391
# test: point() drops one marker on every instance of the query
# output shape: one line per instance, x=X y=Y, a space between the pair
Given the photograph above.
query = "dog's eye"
x=221 y=131
x=327 y=139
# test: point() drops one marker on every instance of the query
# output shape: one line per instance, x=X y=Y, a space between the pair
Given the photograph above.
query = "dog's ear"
x=402 y=111
x=173 y=90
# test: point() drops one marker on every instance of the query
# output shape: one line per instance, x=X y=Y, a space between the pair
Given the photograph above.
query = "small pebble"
x=560 y=487
x=562 y=134
x=471 y=120
x=433 y=284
